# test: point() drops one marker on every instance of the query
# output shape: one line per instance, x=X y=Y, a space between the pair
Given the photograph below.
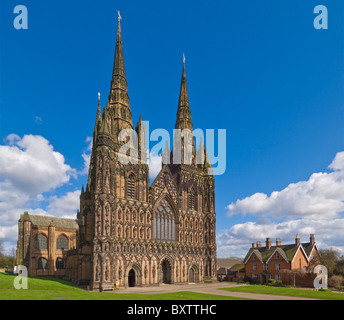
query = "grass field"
x=54 y=289
x=292 y=292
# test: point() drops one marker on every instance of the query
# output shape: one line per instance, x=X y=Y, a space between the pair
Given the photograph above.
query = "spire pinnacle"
x=99 y=113
x=184 y=112
x=119 y=16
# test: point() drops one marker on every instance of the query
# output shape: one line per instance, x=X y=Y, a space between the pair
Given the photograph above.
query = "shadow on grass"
x=58 y=280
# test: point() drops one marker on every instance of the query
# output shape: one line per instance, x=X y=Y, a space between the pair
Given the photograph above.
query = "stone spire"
x=119 y=67
x=99 y=113
x=184 y=112
x=184 y=144
x=118 y=98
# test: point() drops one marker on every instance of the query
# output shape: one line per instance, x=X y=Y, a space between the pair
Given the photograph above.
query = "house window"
x=277 y=267
x=277 y=256
x=59 y=263
x=254 y=266
x=304 y=269
x=131 y=189
x=42 y=263
x=41 y=242
x=278 y=277
x=266 y=267
x=254 y=276
x=254 y=257
x=62 y=243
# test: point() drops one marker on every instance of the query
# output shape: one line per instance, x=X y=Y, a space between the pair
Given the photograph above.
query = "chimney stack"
x=259 y=244
x=297 y=240
x=268 y=243
x=312 y=239
x=278 y=242
x=253 y=245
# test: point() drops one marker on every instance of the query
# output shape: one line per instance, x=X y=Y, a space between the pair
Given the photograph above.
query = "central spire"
x=184 y=112
x=119 y=68
x=118 y=102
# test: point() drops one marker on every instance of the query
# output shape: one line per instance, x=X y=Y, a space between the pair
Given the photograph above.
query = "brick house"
x=236 y=273
x=280 y=262
x=221 y=274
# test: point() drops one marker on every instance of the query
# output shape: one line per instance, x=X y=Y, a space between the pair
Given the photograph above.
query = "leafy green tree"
x=331 y=259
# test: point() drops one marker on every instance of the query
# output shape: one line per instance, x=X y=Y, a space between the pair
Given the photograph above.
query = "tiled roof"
x=288 y=251
x=238 y=267
x=227 y=263
x=45 y=221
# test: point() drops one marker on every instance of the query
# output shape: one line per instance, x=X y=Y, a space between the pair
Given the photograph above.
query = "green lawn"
x=293 y=292
x=54 y=289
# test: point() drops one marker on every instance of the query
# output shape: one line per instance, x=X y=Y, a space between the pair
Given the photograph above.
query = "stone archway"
x=131 y=278
x=193 y=276
x=166 y=272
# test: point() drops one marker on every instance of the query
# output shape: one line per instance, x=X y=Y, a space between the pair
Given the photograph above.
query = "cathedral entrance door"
x=131 y=278
x=166 y=272
x=191 y=275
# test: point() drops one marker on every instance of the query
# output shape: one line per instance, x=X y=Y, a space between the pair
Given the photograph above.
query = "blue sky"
x=260 y=70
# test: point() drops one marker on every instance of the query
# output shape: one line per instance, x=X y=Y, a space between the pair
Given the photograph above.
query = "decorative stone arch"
x=137 y=274
x=166 y=270
x=165 y=220
x=193 y=274
x=107 y=265
x=120 y=214
x=97 y=268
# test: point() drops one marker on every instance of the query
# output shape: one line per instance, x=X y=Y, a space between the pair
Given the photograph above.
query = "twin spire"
x=118 y=106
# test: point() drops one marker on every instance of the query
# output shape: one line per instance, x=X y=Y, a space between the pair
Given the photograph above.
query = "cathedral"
x=129 y=232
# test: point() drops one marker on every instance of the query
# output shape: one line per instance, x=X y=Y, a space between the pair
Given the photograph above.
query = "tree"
x=335 y=281
x=6 y=260
x=331 y=259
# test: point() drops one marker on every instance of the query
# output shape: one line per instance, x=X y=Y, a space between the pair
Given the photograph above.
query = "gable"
x=164 y=183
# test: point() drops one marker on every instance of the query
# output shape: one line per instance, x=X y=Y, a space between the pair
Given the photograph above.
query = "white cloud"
x=314 y=206
x=38 y=120
x=86 y=155
x=322 y=195
x=65 y=206
x=29 y=167
x=155 y=165
x=32 y=166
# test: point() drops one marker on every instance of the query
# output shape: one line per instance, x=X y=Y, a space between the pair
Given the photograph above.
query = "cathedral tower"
x=133 y=233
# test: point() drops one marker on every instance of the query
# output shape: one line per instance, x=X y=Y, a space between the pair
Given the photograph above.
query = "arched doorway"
x=131 y=278
x=166 y=272
x=191 y=275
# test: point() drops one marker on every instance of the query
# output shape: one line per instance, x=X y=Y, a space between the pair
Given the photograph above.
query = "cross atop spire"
x=119 y=16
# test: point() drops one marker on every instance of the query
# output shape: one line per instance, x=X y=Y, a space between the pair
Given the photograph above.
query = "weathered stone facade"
x=131 y=232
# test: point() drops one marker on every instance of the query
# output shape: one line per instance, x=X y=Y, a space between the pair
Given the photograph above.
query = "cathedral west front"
x=129 y=231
